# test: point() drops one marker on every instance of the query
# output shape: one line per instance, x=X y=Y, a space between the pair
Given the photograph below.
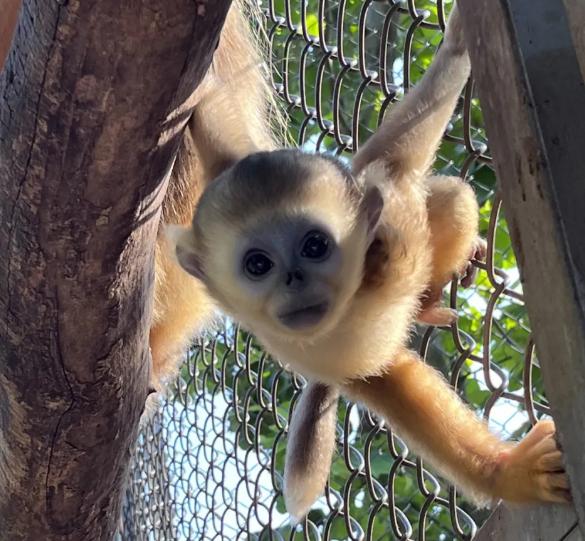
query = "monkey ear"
x=181 y=243
x=371 y=207
x=190 y=262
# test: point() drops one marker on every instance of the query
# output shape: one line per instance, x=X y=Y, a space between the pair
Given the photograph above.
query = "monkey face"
x=280 y=241
x=289 y=273
x=294 y=264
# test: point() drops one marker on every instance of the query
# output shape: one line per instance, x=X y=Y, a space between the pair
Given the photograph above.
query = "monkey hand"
x=478 y=253
x=532 y=470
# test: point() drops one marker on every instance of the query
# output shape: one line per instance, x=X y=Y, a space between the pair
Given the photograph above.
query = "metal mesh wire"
x=210 y=464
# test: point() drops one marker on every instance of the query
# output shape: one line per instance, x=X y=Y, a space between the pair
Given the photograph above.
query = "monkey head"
x=280 y=241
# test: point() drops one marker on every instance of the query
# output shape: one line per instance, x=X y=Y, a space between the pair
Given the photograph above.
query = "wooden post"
x=528 y=58
x=533 y=523
x=93 y=102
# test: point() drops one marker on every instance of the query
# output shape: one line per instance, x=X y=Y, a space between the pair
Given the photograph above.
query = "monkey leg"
x=425 y=410
x=229 y=121
x=182 y=310
x=453 y=220
x=309 y=450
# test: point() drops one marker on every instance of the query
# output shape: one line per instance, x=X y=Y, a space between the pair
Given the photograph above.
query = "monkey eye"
x=315 y=245
x=257 y=264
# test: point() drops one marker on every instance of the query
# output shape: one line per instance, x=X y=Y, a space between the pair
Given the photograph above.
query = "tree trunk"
x=93 y=102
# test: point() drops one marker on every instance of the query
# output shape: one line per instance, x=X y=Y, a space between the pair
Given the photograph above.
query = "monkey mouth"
x=304 y=316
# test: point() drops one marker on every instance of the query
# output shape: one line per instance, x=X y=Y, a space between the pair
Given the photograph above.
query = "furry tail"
x=311 y=441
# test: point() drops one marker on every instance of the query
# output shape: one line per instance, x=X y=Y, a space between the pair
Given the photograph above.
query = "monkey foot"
x=533 y=469
x=478 y=253
x=437 y=315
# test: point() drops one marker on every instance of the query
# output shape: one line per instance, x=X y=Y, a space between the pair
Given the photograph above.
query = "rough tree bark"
x=93 y=100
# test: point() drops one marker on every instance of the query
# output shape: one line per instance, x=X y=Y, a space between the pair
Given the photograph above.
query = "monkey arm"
x=309 y=450
x=233 y=115
x=425 y=410
x=453 y=220
x=236 y=104
x=410 y=134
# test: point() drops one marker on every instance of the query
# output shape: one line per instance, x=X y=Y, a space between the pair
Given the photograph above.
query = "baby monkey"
x=330 y=267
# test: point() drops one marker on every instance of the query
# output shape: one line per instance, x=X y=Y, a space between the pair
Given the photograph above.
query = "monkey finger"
x=544 y=446
x=469 y=275
x=564 y=495
x=558 y=480
x=478 y=253
x=480 y=250
x=557 y=495
x=555 y=488
x=539 y=431
x=532 y=455
x=437 y=316
x=552 y=462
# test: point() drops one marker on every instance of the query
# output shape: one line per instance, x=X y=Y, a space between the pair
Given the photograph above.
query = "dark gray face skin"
x=291 y=263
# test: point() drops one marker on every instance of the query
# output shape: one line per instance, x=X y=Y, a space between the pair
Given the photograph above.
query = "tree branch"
x=94 y=99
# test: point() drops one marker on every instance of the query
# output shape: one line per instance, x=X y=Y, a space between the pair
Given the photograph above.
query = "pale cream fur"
x=338 y=349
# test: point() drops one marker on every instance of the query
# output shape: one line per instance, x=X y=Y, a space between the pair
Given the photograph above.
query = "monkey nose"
x=295 y=278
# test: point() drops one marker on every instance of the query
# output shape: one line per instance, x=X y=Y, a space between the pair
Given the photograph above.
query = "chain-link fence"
x=210 y=464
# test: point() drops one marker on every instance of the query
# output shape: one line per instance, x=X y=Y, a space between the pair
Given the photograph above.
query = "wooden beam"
x=531 y=87
x=536 y=523
x=93 y=101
